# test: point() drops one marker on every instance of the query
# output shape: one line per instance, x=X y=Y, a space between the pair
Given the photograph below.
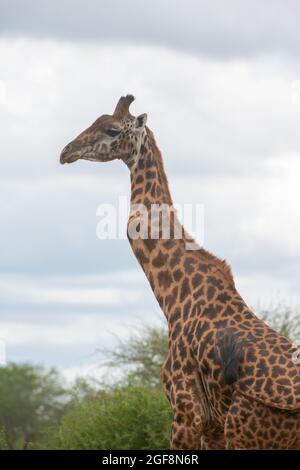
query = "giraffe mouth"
x=68 y=159
x=100 y=158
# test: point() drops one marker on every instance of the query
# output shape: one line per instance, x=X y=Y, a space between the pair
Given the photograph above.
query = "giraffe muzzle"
x=68 y=155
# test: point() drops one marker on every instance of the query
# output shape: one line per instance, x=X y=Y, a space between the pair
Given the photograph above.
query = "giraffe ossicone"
x=228 y=376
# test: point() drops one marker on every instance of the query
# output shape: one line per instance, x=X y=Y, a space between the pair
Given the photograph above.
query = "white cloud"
x=251 y=214
x=277 y=216
x=262 y=291
x=33 y=291
x=84 y=330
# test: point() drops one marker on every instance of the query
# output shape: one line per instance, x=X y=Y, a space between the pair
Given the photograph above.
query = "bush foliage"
x=134 y=417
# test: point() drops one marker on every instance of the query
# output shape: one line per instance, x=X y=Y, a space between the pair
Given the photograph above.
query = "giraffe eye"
x=112 y=132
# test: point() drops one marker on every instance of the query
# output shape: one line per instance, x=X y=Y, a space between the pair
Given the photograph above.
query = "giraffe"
x=230 y=379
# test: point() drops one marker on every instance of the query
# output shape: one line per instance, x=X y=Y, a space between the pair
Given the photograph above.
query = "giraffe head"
x=110 y=137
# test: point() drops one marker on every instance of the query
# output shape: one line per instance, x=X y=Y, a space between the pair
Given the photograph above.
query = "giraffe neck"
x=149 y=186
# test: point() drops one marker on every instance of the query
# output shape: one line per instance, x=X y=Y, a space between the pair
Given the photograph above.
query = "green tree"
x=30 y=399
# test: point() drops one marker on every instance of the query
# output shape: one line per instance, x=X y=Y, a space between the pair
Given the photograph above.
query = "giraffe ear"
x=141 y=121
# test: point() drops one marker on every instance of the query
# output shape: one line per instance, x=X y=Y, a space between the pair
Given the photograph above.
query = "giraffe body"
x=228 y=376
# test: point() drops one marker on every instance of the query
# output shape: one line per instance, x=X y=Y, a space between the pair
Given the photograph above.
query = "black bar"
x=151 y=458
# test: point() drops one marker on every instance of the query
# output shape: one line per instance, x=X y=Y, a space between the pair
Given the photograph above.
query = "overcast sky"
x=220 y=82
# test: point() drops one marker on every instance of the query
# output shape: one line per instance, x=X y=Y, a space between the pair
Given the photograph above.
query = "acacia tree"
x=141 y=356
